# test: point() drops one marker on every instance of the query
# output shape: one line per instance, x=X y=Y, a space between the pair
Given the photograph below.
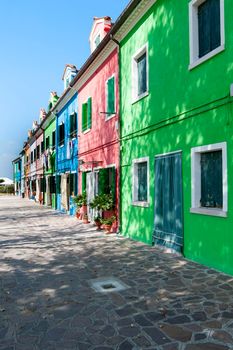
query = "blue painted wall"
x=67 y=157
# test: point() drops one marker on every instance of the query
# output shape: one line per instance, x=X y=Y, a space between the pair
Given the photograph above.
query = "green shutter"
x=89 y=113
x=113 y=182
x=84 y=117
x=104 y=181
x=111 y=96
x=84 y=182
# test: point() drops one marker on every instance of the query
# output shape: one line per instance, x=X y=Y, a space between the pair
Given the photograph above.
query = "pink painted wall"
x=101 y=142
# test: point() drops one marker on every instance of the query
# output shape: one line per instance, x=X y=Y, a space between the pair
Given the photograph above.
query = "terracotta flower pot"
x=107 y=228
x=85 y=220
x=78 y=214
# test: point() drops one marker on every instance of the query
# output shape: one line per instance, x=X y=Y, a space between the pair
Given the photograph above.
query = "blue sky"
x=37 y=39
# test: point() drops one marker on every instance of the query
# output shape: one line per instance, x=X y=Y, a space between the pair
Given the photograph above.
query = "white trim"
x=193 y=34
x=134 y=81
x=135 y=201
x=196 y=179
x=168 y=153
x=110 y=166
x=110 y=116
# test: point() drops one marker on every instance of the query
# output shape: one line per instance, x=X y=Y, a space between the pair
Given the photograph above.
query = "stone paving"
x=47 y=260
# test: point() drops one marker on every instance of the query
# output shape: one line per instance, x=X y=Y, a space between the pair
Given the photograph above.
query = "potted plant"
x=81 y=204
x=85 y=219
x=98 y=222
x=77 y=200
x=107 y=223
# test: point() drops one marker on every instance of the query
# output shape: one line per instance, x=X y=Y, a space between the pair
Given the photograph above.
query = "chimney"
x=100 y=28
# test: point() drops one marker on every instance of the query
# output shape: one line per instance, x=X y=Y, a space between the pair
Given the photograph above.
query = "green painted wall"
x=48 y=132
x=184 y=109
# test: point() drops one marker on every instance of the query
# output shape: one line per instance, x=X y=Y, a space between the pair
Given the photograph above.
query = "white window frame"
x=135 y=201
x=135 y=57
x=193 y=34
x=109 y=116
x=196 y=180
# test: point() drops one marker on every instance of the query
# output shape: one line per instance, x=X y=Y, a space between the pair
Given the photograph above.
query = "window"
x=141 y=181
x=97 y=41
x=47 y=142
x=87 y=115
x=31 y=157
x=34 y=154
x=140 y=74
x=61 y=134
x=206 y=29
x=107 y=181
x=209 y=180
x=53 y=139
x=110 y=97
x=73 y=124
x=42 y=147
x=38 y=152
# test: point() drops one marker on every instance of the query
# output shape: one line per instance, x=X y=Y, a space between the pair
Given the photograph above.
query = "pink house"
x=98 y=111
x=39 y=160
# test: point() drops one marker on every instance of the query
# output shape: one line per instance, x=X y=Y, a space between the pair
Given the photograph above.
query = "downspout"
x=119 y=135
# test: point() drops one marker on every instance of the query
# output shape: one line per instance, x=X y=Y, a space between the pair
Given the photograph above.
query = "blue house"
x=67 y=146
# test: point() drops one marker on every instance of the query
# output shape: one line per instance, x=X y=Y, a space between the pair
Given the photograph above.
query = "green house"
x=50 y=160
x=176 y=75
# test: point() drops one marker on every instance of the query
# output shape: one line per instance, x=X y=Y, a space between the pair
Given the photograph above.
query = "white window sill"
x=138 y=98
x=209 y=211
x=209 y=55
x=60 y=146
x=141 y=204
x=86 y=131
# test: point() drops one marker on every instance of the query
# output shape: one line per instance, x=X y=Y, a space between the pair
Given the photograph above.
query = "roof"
x=6 y=182
x=71 y=66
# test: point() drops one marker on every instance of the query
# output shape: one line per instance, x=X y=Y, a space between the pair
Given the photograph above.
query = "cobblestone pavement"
x=47 y=303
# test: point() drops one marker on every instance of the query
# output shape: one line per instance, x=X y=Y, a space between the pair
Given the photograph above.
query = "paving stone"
x=46 y=301
x=129 y=331
x=126 y=311
x=176 y=332
x=141 y=341
x=126 y=345
x=108 y=331
x=178 y=319
x=157 y=336
x=206 y=346
x=199 y=316
x=222 y=336
x=199 y=336
x=142 y=321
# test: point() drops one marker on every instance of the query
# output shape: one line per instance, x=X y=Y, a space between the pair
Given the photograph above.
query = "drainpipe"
x=119 y=134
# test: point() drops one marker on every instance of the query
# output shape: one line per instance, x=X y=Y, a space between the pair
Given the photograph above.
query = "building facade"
x=67 y=146
x=98 y=114
x=177 y=133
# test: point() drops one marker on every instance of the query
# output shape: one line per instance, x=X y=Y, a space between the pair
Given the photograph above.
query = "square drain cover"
x=107 y=285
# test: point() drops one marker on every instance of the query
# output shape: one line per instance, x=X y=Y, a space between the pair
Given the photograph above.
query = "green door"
x=168 y=221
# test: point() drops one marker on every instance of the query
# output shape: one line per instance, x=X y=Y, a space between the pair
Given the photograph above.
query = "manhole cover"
x=108 y=284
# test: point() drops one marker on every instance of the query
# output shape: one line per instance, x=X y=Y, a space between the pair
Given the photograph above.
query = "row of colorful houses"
x=150 y=114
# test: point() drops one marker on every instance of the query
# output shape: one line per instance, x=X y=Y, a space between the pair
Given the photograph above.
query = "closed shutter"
x=89 y=113
x=209 y=35
x=111 y=96
x=58 y=184
x=84 y=116
x=211 y=180
x=142 y=74
x=104 y=181
x=215 y=24
x=142 y=182
x=112 y=180
x=84 y=182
